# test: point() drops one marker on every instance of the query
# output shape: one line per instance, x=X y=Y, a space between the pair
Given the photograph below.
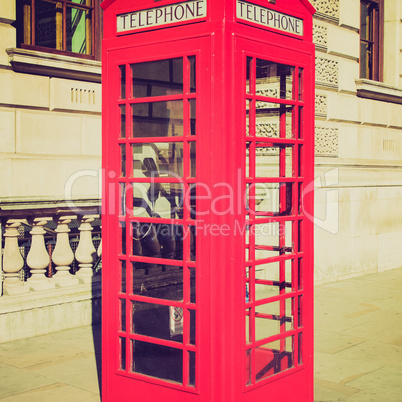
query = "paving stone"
x=78 y=372
x=333 y=342
x=35 y=351
x=58 y=392
x=14 y=381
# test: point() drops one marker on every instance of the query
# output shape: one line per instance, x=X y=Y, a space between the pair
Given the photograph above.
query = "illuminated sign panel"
x=268 y=18
x=159 y=16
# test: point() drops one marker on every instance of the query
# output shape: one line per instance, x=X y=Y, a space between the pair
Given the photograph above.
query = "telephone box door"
x=277 y=92
x=153 y=292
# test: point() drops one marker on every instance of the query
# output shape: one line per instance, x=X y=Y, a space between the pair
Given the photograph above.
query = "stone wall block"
x=24 y=90
x=7 y=131
x=342 y=108
x=7 y=11
x=68 y=95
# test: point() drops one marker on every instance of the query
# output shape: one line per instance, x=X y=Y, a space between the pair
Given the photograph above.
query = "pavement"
x=358 y=350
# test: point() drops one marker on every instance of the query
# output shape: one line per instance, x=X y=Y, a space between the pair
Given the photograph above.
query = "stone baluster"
x=86 y=252
x=63 y=255
x=38 y=258
x=12 y=260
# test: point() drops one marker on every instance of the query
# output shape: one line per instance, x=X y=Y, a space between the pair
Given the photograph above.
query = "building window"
x=62 y=26
x=371 y=38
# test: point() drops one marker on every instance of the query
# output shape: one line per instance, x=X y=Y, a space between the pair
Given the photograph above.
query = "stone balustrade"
x=49 y=252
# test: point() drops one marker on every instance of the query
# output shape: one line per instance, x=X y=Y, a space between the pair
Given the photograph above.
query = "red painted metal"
x=245 y=334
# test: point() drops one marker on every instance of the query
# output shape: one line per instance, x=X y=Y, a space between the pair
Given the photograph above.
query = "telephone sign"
x=155 y=17
x=208 y=139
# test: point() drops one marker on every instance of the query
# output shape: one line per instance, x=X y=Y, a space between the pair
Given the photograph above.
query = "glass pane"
x=365 y=60
x=157 y=78
x=83 y=2
x=123 y=314
x=300 y=345
x=248 y=327
x=248 y=367
x=154 y=320
x=272 y=239
x=158 y=119
x=301 y=84
x=193 y=288
x=273 y=279
x=122 y=353
x=248 y=74
x=267 y=118
x=158 y=240
x=159 y=281
x=157 y=361
x=191 y=230
x=191 y=59
x=300 y=273
x=301 y=123
x=274 y=80
x=162 y=159
x=78 y=39
x=300 y=312
x=193 y=126
x=123 y=276
x=273 y=160
x=122 y=206
x=273 y=318
x=192 y=327
x=122 y=82
x=122 y=228
x=249 y=105
x=123 y=160
x=191 y=380
x=158 y=200
x=271 y=198
x=193 y=159
x=273 y=358
x=48 y=24
x=122 y=121
x=365 y=21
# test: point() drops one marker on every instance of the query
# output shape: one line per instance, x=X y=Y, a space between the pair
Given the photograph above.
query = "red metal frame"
x=230 y=363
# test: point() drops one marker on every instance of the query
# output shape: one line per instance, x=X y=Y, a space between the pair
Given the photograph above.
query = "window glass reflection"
x=157 y=361
x=191 y=60
x=162 y=240
x=273 y=358
x=158 y=119
x=157 y=78
x=274 y=80
x=153 y=320
x=273 y=161
x=122 y=82
x=158 y=281
x=162 y=159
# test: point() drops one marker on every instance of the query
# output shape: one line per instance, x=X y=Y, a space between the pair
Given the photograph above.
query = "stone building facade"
x=50 y=159
x=358 y=145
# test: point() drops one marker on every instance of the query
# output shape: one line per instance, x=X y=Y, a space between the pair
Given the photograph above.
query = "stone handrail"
x=48 y=264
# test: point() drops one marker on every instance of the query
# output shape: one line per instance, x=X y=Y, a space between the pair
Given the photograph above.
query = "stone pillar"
x=86 y=253
x=38 y=258
x=63 y=255
x=12 y=260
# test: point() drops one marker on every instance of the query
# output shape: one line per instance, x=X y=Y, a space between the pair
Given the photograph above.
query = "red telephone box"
x=208 y=144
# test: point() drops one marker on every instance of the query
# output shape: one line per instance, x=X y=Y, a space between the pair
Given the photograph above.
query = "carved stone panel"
x=326 y=141
x=326 y=8
x=321 y=104
x=320 y=36
x=326 y=72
